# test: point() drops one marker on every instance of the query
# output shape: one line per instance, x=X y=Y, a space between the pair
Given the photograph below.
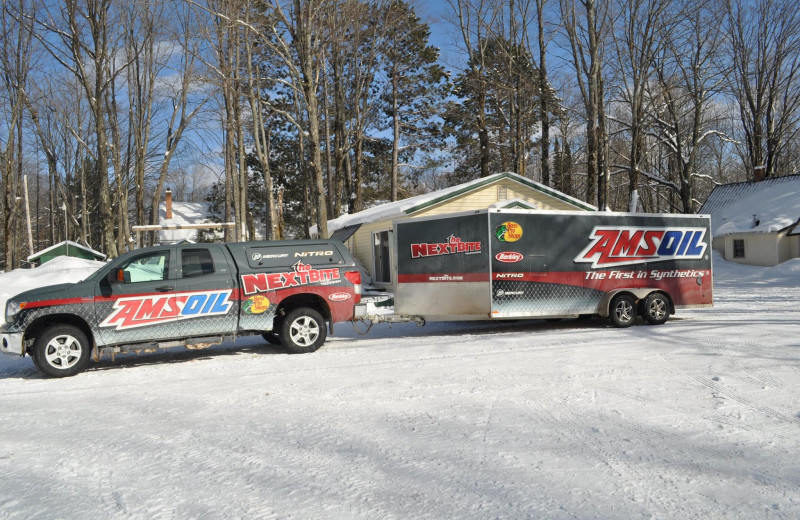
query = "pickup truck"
x=192 y=295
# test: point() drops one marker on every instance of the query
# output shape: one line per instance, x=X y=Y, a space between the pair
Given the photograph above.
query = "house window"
x=381 y=272
x=738 y=248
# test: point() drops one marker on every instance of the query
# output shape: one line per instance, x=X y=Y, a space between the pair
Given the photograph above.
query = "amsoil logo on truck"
x=452 y=246
x=140 y=311
x=303 y=274
x=613 y=245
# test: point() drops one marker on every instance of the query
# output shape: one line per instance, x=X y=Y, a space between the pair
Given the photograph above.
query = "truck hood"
x=42 y=293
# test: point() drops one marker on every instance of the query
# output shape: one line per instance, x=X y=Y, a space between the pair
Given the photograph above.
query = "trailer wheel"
x=655 y=308
x=622 y=311
x=303 y=330
x=61 y=351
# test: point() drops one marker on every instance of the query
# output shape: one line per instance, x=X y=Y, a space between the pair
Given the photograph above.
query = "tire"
x=655 y=308
x=303 y=330
x=61 y=351
x=272 y=338
x=622 y=311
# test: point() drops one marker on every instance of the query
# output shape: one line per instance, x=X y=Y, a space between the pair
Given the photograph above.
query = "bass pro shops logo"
x=613 y=246
x=140 y=311
x=452 y=246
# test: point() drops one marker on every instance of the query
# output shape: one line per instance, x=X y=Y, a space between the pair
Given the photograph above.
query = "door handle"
x=165 y=288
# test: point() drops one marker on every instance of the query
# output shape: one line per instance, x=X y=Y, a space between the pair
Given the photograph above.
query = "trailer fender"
x=639 y=293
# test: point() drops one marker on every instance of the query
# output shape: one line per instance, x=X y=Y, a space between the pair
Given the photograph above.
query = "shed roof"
x=97 y=254
x=768 y=206
x=405 y=207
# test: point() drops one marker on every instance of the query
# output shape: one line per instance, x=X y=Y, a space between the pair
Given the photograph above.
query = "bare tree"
x=764 y=43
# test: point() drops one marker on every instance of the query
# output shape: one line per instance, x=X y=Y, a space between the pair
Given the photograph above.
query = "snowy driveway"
x=698 y=418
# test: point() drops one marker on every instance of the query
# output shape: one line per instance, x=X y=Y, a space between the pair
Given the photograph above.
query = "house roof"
x=38 y=254
x=768 y=206
x=411 y=205
x=182 y=213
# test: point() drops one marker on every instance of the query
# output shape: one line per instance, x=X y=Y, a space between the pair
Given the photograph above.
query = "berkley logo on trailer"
x=452 y=246
x=614 y=245
x=303 y=274
x=140 y=311
x=509 y=257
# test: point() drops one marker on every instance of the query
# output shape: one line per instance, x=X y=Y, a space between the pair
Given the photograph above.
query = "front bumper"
x=11 y=343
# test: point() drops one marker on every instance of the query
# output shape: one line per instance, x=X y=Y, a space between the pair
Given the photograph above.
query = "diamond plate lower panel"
x=519 y=298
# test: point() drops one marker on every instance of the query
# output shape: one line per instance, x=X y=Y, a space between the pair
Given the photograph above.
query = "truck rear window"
x=267 y=257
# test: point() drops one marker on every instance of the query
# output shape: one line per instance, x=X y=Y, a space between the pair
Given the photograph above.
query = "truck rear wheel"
x=655 y=308
x=303 y=330
x=622 y=311
x=61 y=351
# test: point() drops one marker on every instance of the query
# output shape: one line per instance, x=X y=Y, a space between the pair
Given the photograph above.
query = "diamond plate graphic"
x=519 y=298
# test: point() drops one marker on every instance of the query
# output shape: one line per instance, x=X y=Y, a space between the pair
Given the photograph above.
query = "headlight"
x=12 y=308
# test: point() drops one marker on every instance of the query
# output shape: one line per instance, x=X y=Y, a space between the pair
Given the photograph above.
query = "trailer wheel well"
x=637 y=294
x=33 y=329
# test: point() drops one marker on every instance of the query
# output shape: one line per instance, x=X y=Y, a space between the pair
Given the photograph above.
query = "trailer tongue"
x=512 y=264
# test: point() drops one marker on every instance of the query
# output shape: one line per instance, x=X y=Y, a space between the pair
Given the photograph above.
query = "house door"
x=381 y=257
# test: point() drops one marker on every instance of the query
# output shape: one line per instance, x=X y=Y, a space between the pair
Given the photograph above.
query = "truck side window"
x=196 y=262
x=148 y=268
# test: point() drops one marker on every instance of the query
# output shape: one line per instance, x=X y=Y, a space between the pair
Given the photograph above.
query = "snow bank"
x=786 y=274
x=62 y=269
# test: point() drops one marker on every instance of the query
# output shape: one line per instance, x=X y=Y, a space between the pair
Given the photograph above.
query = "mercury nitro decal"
x=303 y=274
x=140 y=311
x=614 y=245
x=452 y=246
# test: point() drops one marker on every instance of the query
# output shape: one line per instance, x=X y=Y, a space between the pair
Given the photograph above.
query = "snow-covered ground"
x=697 y=418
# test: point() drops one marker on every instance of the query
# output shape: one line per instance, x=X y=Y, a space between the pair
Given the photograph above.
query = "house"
x=173 y=217
x=368 y=233
x=65 y=248
x=756 y=222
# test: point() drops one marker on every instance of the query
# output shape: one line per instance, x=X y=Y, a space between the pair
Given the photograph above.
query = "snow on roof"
x=182 y=213
x=402 y=208
x=71 y=244
x=767 y=206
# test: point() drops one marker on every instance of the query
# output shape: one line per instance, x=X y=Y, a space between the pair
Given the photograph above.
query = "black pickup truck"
x=192 y=295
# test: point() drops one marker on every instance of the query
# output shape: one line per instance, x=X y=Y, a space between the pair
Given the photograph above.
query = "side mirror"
x=119 y=276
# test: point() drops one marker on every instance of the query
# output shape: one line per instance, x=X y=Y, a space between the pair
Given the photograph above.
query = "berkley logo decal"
x=508 y=232
x=303 y=274
x=452 y=246
x=339 y=297
x=613 y=245
x=140 y=311
x=509 y=257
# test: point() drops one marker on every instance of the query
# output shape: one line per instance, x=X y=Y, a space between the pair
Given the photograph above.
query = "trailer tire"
x=61 y=351
x=622 y=311
x=303 y=330
x=655 y=308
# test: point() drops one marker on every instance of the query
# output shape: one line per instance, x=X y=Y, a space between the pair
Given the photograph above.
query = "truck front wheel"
x=622 y=311
x=61 y=351
x=303 y=330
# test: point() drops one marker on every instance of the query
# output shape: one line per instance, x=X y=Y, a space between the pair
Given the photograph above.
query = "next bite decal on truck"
x=303 y=274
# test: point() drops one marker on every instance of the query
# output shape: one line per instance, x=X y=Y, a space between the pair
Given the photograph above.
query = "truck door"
x=135 y=302
x=205 y=287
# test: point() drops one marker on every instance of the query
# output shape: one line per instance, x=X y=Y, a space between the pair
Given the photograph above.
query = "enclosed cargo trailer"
x=512 y=264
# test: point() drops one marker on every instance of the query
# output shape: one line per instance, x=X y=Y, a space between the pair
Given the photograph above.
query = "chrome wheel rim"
x=63 y=352
x=304 y=331
x=624 y=311
x=657 y=309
